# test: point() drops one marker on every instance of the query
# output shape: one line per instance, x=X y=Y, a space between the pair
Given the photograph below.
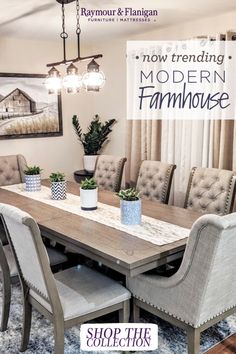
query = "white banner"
x=193 y=79
x=119 y=336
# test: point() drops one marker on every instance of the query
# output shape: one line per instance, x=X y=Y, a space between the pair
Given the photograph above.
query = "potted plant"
x=58 y=185
x=32 y=178
x=94 y=139
x=88 y=194
x=130 y=206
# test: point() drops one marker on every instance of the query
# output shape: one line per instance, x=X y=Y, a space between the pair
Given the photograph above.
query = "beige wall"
x=112 y=101
x=54 y=153
x=65 y=153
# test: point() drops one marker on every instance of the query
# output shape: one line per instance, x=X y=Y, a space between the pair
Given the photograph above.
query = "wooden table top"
x=123 y=252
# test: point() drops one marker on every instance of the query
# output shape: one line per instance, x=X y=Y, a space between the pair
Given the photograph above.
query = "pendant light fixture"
x=53 y=81
x=92 y=80
x=72 y=82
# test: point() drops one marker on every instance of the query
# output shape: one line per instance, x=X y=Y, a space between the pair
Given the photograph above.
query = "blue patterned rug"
x=171 y=339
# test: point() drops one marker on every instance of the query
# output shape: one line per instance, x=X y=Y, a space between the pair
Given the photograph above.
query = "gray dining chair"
x=67 y=298
x=154 y=180
x=9 y=275
x=210 y=190
x=203 y=291
x=108 y=172
x=12 y=172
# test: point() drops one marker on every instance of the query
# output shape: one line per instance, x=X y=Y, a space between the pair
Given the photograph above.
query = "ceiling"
x=41 y=19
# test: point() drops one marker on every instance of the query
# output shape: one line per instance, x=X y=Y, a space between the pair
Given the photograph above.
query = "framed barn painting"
x=26 y=108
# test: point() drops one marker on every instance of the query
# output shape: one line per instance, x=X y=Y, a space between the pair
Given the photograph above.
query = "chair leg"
x=193 y=337
x=5 y=304
x=124 y=313
x=136 y=312
x=59 y=333
x=27 y=316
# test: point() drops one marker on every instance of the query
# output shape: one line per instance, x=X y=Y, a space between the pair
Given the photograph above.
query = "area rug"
x=171 y=339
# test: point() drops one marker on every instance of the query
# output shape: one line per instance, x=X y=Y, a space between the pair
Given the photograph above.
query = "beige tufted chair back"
x=12 y=169
x=210 y=190
x=154 y=180
x=108 y=172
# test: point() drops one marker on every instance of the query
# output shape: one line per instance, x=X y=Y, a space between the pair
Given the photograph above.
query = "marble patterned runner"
x=153 y=230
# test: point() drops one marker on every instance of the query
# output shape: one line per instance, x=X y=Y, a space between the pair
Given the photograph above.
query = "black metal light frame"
x=64 y=37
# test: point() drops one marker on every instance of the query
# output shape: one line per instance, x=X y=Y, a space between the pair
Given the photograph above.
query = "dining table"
x=117 y=249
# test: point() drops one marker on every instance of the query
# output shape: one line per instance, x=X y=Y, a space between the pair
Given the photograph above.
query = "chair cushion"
x=56 y=257
x=82 y=291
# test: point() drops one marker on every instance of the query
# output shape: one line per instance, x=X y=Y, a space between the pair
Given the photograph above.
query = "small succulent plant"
x=130 y=194
x=89 y=183
x=32 y=170
x=57 y=177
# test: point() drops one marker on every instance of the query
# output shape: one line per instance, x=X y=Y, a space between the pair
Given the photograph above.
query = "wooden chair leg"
x=6 y=286
x=124 y=313
x=27 y=316
x=193 y=337
x=136 y=312
x=59 y=333
x=5 y=304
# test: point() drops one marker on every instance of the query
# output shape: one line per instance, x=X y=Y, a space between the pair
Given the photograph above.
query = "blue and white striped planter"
x=58 y=190
x=32 y=183
x=131 y=212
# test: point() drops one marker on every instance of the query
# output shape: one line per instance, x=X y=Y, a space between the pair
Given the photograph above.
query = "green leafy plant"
x=57 y=177
x=96 y=136
x=130 y=194
x=89 y=183
x=33 y=170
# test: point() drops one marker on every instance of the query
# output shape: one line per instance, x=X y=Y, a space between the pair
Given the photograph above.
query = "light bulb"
x=53 y=81
x=72 y=83
x=93 y=79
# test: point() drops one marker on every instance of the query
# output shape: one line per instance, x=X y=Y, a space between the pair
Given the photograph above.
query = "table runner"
x=153 y=230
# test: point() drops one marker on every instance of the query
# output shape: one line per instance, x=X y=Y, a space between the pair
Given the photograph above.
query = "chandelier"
x=92 y=80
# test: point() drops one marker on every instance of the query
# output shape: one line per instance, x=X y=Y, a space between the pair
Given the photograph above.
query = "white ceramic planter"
x=89 y=162
x=88 y=199
x=32 y=183
x=58 y=190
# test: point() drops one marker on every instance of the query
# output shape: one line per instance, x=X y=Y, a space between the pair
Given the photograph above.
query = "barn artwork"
x=26 y=109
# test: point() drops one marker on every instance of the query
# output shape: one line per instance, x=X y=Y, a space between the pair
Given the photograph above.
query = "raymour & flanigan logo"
x=122 y=14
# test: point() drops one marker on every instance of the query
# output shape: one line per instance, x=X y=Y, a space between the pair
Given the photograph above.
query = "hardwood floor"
x=228 y=346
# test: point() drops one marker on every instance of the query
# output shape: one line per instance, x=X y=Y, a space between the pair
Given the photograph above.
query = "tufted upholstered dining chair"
x=203 y=291
x=108 y=172
x=154 y=180
x=12 y=172
x=67 y=298
x=12 y=169
x=210 y=190
x=9 y=275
